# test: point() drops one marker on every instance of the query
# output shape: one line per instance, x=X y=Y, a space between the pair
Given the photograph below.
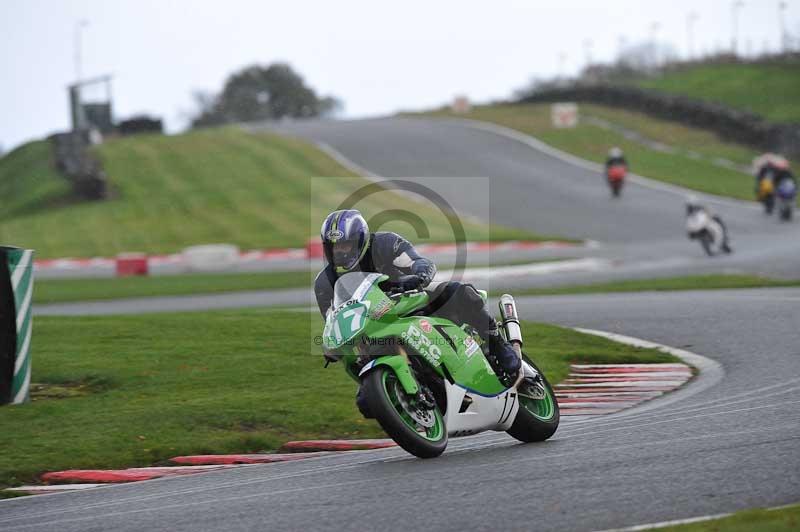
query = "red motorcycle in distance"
x=616 y=178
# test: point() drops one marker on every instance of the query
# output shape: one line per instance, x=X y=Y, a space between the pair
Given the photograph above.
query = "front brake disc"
x=421 y=416
x=532 y=389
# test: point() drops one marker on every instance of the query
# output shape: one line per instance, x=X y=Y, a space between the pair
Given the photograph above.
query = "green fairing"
x=375 y=318
x=400 y=366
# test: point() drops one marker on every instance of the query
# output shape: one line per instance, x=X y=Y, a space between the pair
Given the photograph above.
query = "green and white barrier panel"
x=16 y=292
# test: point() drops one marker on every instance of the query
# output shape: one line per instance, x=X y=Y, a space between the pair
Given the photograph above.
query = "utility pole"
x=781 y=18
x=654 y=27
x=587 y=50
x=735 y=35
x=622 y=44
x=691 y=18
x=78 y=58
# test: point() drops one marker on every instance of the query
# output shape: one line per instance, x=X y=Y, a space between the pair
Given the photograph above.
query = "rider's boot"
x=506 y=356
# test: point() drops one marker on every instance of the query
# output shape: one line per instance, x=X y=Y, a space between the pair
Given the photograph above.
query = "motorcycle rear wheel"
x=536 y=420
x=705 y=241
x=383 y=394
x=769 y=204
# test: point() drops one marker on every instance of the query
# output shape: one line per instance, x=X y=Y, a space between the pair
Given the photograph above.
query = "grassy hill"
x=770 y=90
x=28 y=182
x=208 y=186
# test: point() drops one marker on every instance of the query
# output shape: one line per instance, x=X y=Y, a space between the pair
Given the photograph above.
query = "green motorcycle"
x=424 y=378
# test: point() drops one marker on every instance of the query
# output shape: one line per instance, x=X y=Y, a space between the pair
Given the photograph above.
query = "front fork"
x=400 y=367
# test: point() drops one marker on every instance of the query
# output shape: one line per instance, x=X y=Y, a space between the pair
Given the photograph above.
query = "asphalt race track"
x=733 y=446
x=730 y=446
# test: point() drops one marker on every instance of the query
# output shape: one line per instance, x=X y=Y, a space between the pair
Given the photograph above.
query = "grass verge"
x=592 y=142
x=691 y=282
x=137 y=390
x=767 y=90
x=214 y=185
x=64 y=290
x=778 y=520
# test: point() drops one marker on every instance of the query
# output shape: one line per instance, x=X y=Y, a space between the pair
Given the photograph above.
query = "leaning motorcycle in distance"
x=425 y=378
x=701 y=226
x=785 y=197
x=766 y=193
x=615 y=175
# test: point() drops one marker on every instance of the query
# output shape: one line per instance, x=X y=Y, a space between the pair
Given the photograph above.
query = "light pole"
x=735 y=36
x=622 y=44
x=587 y=50
x=562 y=59
x=691 y=18
x=78 y=34
x=654 y=27
x=781 y=18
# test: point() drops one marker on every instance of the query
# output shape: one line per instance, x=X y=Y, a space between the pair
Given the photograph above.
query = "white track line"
x=663 y=524
x=217 y=500
x=700 y=519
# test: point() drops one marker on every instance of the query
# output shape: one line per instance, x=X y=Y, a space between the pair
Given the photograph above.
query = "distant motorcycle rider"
x=773 y=166
x=693 y=205
x=349 y=246
x=781 y=171
x=615 y=158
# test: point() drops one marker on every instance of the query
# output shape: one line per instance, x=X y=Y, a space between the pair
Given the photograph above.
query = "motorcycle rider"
x=349 y=246
x=781 y=171
x=615 y=158
x=693 y=205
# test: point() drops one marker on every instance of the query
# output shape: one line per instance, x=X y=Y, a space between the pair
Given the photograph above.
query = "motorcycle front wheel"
x=419 y=431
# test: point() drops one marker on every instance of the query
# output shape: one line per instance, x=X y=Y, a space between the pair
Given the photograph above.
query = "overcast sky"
x=377 y=57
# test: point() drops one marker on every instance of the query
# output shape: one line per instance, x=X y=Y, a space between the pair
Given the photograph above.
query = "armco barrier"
x=16 y=292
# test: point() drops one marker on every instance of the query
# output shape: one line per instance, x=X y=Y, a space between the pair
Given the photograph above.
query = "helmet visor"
x=345 y=254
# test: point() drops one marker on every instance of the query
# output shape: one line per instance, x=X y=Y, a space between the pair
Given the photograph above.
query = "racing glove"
x=406 y=283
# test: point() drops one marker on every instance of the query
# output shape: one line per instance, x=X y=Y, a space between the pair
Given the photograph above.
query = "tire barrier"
x=16 y=292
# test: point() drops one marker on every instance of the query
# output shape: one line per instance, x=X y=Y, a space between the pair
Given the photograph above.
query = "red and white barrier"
x=126 y=264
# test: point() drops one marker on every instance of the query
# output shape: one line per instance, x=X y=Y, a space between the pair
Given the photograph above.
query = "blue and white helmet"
x=345 y=239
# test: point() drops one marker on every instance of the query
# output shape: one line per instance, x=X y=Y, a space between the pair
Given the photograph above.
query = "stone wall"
x=730 y=124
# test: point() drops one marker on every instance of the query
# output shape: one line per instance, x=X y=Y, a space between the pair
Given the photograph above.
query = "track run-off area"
x=718 y=446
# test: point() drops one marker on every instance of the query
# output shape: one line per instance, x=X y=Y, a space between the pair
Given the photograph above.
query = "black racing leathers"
x=616 y=161
x=393 y=255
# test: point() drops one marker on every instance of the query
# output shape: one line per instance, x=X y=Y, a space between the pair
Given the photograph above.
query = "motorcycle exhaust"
x=508 y=313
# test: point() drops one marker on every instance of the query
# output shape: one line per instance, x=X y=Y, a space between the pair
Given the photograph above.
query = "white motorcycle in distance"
x=707 y=229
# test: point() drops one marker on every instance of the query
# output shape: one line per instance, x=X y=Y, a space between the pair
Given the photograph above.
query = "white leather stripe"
x=403 y=261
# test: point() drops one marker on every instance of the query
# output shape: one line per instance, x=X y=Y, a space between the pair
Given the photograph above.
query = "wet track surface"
x=731 y=446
